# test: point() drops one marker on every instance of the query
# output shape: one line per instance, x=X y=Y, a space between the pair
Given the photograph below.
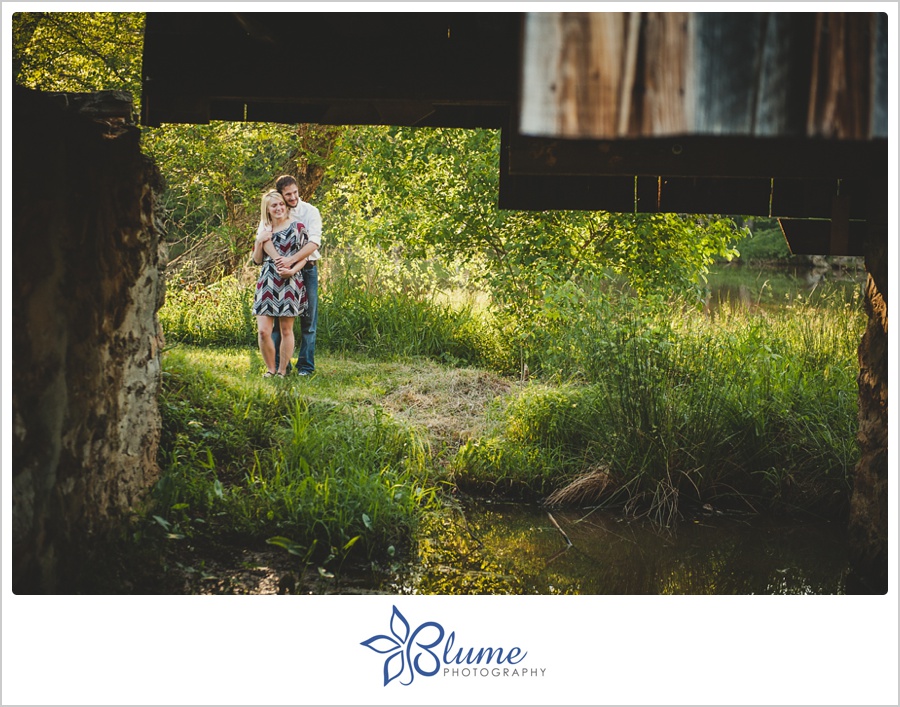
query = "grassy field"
x=648 y=407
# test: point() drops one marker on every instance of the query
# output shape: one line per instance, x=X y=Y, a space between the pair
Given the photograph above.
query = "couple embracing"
x=287 y=246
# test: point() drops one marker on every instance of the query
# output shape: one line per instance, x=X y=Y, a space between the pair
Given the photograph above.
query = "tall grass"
x=368 y=311
x=653 y=402
x=214 y=315
x=666 y=405
x=246 y=456
x=383 y=322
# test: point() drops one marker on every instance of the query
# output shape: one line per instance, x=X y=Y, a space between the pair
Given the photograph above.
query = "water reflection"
x=502 y=548
x=749 y=288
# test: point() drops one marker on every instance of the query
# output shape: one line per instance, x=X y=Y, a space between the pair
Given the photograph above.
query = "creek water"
x=508 y=548
x=776 y=287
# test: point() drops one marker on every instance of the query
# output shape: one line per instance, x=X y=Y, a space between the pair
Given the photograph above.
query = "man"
x=309 y=218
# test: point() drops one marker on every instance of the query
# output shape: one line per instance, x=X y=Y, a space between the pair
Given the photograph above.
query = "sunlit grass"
x=259 y=457
x=650 y=403
x=379 y=322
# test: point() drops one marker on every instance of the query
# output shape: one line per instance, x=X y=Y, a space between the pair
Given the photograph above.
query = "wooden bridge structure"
x=779 y=115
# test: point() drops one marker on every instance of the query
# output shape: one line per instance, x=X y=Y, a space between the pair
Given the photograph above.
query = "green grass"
x=260 y=459
x=214 y=315
x=749 y=404
x=379 y=322
x=667 y=405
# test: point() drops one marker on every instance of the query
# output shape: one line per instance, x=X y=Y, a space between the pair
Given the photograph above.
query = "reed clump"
x=658 y=407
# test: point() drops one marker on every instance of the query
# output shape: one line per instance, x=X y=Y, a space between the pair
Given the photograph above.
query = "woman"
x=279 y=290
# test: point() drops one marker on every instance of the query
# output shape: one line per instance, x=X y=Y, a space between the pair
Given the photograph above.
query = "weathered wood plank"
x=589 y=98
x=662 y=98
x=613 y=75
x=841 y=82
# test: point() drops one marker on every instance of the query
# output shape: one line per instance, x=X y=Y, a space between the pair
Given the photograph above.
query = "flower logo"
x=407 y=652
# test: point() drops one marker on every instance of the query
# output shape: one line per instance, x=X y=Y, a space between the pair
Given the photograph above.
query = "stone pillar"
x=87 y=285
x=868 y=526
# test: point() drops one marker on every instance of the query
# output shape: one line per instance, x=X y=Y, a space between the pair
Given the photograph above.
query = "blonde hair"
x=264 y=219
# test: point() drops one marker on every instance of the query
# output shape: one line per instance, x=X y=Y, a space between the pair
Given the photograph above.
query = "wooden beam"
x=739 y=197
x=818 y=237
x=190 y=108
x=840 y=225
x=333 y=60
x=532 y=193
x=698 y=195
x=685 y=156
x=798 y=198
x=647 y=195
x=814 y=198
x=579 y=192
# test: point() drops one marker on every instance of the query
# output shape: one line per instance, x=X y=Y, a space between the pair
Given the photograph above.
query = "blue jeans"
x=306 y=355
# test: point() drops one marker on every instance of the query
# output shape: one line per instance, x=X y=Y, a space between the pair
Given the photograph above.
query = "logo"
x=429 y=650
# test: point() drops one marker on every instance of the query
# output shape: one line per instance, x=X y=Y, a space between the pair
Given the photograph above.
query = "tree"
x=78 y=51
x=432 y=193
x=215 y=174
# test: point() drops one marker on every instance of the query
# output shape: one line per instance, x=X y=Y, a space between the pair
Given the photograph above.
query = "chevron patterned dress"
x=277 y=297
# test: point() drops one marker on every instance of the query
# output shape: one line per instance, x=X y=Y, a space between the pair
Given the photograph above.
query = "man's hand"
x=284 y=272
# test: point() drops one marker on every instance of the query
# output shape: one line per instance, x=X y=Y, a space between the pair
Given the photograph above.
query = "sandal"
x=268 y=374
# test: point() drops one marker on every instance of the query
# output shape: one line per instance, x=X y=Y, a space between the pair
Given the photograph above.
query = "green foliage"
x=215 y=176
x=242 y=455
x=78 y=51
x=764 y=241
x=423 y=193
